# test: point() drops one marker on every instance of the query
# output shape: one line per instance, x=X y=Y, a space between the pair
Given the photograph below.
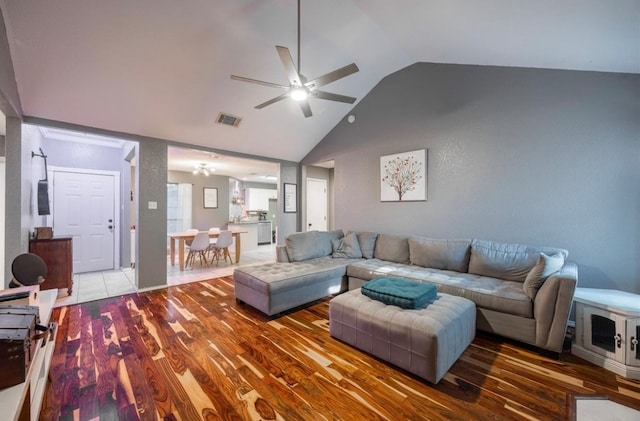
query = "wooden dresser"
x=57 y=253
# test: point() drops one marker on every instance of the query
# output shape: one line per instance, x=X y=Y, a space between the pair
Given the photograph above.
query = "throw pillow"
x=367 y=241
x=347 y=247
x=545 y=267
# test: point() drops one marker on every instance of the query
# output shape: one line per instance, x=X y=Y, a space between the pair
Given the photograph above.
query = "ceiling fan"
x=299 y=88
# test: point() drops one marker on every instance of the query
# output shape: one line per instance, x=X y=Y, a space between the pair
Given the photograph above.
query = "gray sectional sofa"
x=520 y=292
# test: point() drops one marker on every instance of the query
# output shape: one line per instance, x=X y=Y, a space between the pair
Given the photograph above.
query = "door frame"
x=117 y=240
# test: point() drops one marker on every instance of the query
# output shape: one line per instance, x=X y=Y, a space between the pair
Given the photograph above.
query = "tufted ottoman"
x=425 y=342
x=276 y=287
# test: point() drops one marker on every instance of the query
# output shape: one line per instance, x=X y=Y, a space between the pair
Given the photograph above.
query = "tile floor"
x=97 y=285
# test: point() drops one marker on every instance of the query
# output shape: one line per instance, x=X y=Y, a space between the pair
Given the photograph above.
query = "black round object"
x=28 y=269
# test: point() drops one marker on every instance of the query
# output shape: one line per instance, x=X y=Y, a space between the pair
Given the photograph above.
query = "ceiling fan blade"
x=333 y=97
x=306 y=109
x=272 y=100
x=287 y=62
x=332 y=76
x=259 y=82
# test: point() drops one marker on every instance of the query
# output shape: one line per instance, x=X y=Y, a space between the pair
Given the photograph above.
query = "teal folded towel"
x=400 y=292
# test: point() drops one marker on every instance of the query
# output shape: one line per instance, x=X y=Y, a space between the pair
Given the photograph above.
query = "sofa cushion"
x=310 y=245
x=489 y=293
x=367 y=241
x=440 y=254
x=303 y=246
x=347 y=247
x=400 y=292
x=326 y=237
x=511 y=262
x=544 y=267
x=393 y=248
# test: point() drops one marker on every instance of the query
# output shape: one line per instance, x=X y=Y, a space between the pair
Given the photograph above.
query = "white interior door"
x=316 y=204
x=84 y=208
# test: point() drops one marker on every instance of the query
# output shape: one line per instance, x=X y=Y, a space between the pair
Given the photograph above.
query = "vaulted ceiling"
x=162 y=68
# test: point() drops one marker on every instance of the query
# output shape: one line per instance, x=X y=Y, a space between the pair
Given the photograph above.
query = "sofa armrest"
x=552 y=305
x=281 y=254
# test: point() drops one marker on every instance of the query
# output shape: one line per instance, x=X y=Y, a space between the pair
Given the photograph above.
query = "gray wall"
x=533 y=156
x=9 y=98
x=151 y=226
x=17 y=179
x=203 y=219
x=288 y=223
x=62 y=153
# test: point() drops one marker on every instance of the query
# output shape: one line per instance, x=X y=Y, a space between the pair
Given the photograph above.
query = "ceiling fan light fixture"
x=299 y=88
x=202 y=169
x=298 y=94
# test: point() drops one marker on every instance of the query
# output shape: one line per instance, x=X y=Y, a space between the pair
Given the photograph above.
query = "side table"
x=23 y=401
x=608 y=330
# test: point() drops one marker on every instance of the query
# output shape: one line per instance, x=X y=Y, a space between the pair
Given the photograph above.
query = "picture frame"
x=403 y=177
x=210 y=197
x=290 y=198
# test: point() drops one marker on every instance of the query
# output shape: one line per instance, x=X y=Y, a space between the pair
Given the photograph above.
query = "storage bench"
x=425 y=342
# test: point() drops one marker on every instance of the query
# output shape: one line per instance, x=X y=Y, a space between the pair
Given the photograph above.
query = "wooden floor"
x=190 y=352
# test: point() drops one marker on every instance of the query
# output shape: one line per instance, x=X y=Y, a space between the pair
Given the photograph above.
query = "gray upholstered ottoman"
x=425 y=342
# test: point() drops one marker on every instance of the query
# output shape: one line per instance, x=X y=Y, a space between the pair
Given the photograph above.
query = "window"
x=179 y=203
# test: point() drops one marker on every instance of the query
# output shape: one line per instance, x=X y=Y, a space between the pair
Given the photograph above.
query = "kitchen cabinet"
x=258 y=199
x=57 y=254
x=250 y=239
x=608 y=330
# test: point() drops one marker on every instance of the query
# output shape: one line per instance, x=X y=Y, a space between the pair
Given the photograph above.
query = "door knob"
x=110 y=220
x=110 y=226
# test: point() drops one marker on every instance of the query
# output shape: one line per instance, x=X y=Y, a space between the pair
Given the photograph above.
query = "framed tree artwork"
x=403 y=177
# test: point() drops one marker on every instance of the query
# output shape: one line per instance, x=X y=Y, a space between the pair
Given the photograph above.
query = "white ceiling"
x=183 y=159
x=161 y=68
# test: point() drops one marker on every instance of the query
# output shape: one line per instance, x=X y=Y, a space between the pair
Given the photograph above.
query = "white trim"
x=116 y=203
x=81 y=137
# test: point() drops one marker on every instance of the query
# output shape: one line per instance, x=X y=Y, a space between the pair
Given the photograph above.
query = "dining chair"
x=199 y=247
x=212 y=240
x=225 y=239
x=193 y=231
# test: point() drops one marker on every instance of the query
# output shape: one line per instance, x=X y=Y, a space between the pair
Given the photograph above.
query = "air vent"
x=228 y=119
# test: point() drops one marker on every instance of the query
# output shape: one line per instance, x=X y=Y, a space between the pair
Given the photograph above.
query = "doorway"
x=84 y=208
x=316 y=204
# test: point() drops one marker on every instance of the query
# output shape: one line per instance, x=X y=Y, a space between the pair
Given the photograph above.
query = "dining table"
x=181 y=237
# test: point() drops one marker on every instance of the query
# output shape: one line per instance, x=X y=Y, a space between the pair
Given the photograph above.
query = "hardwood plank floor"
x=191 y=352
